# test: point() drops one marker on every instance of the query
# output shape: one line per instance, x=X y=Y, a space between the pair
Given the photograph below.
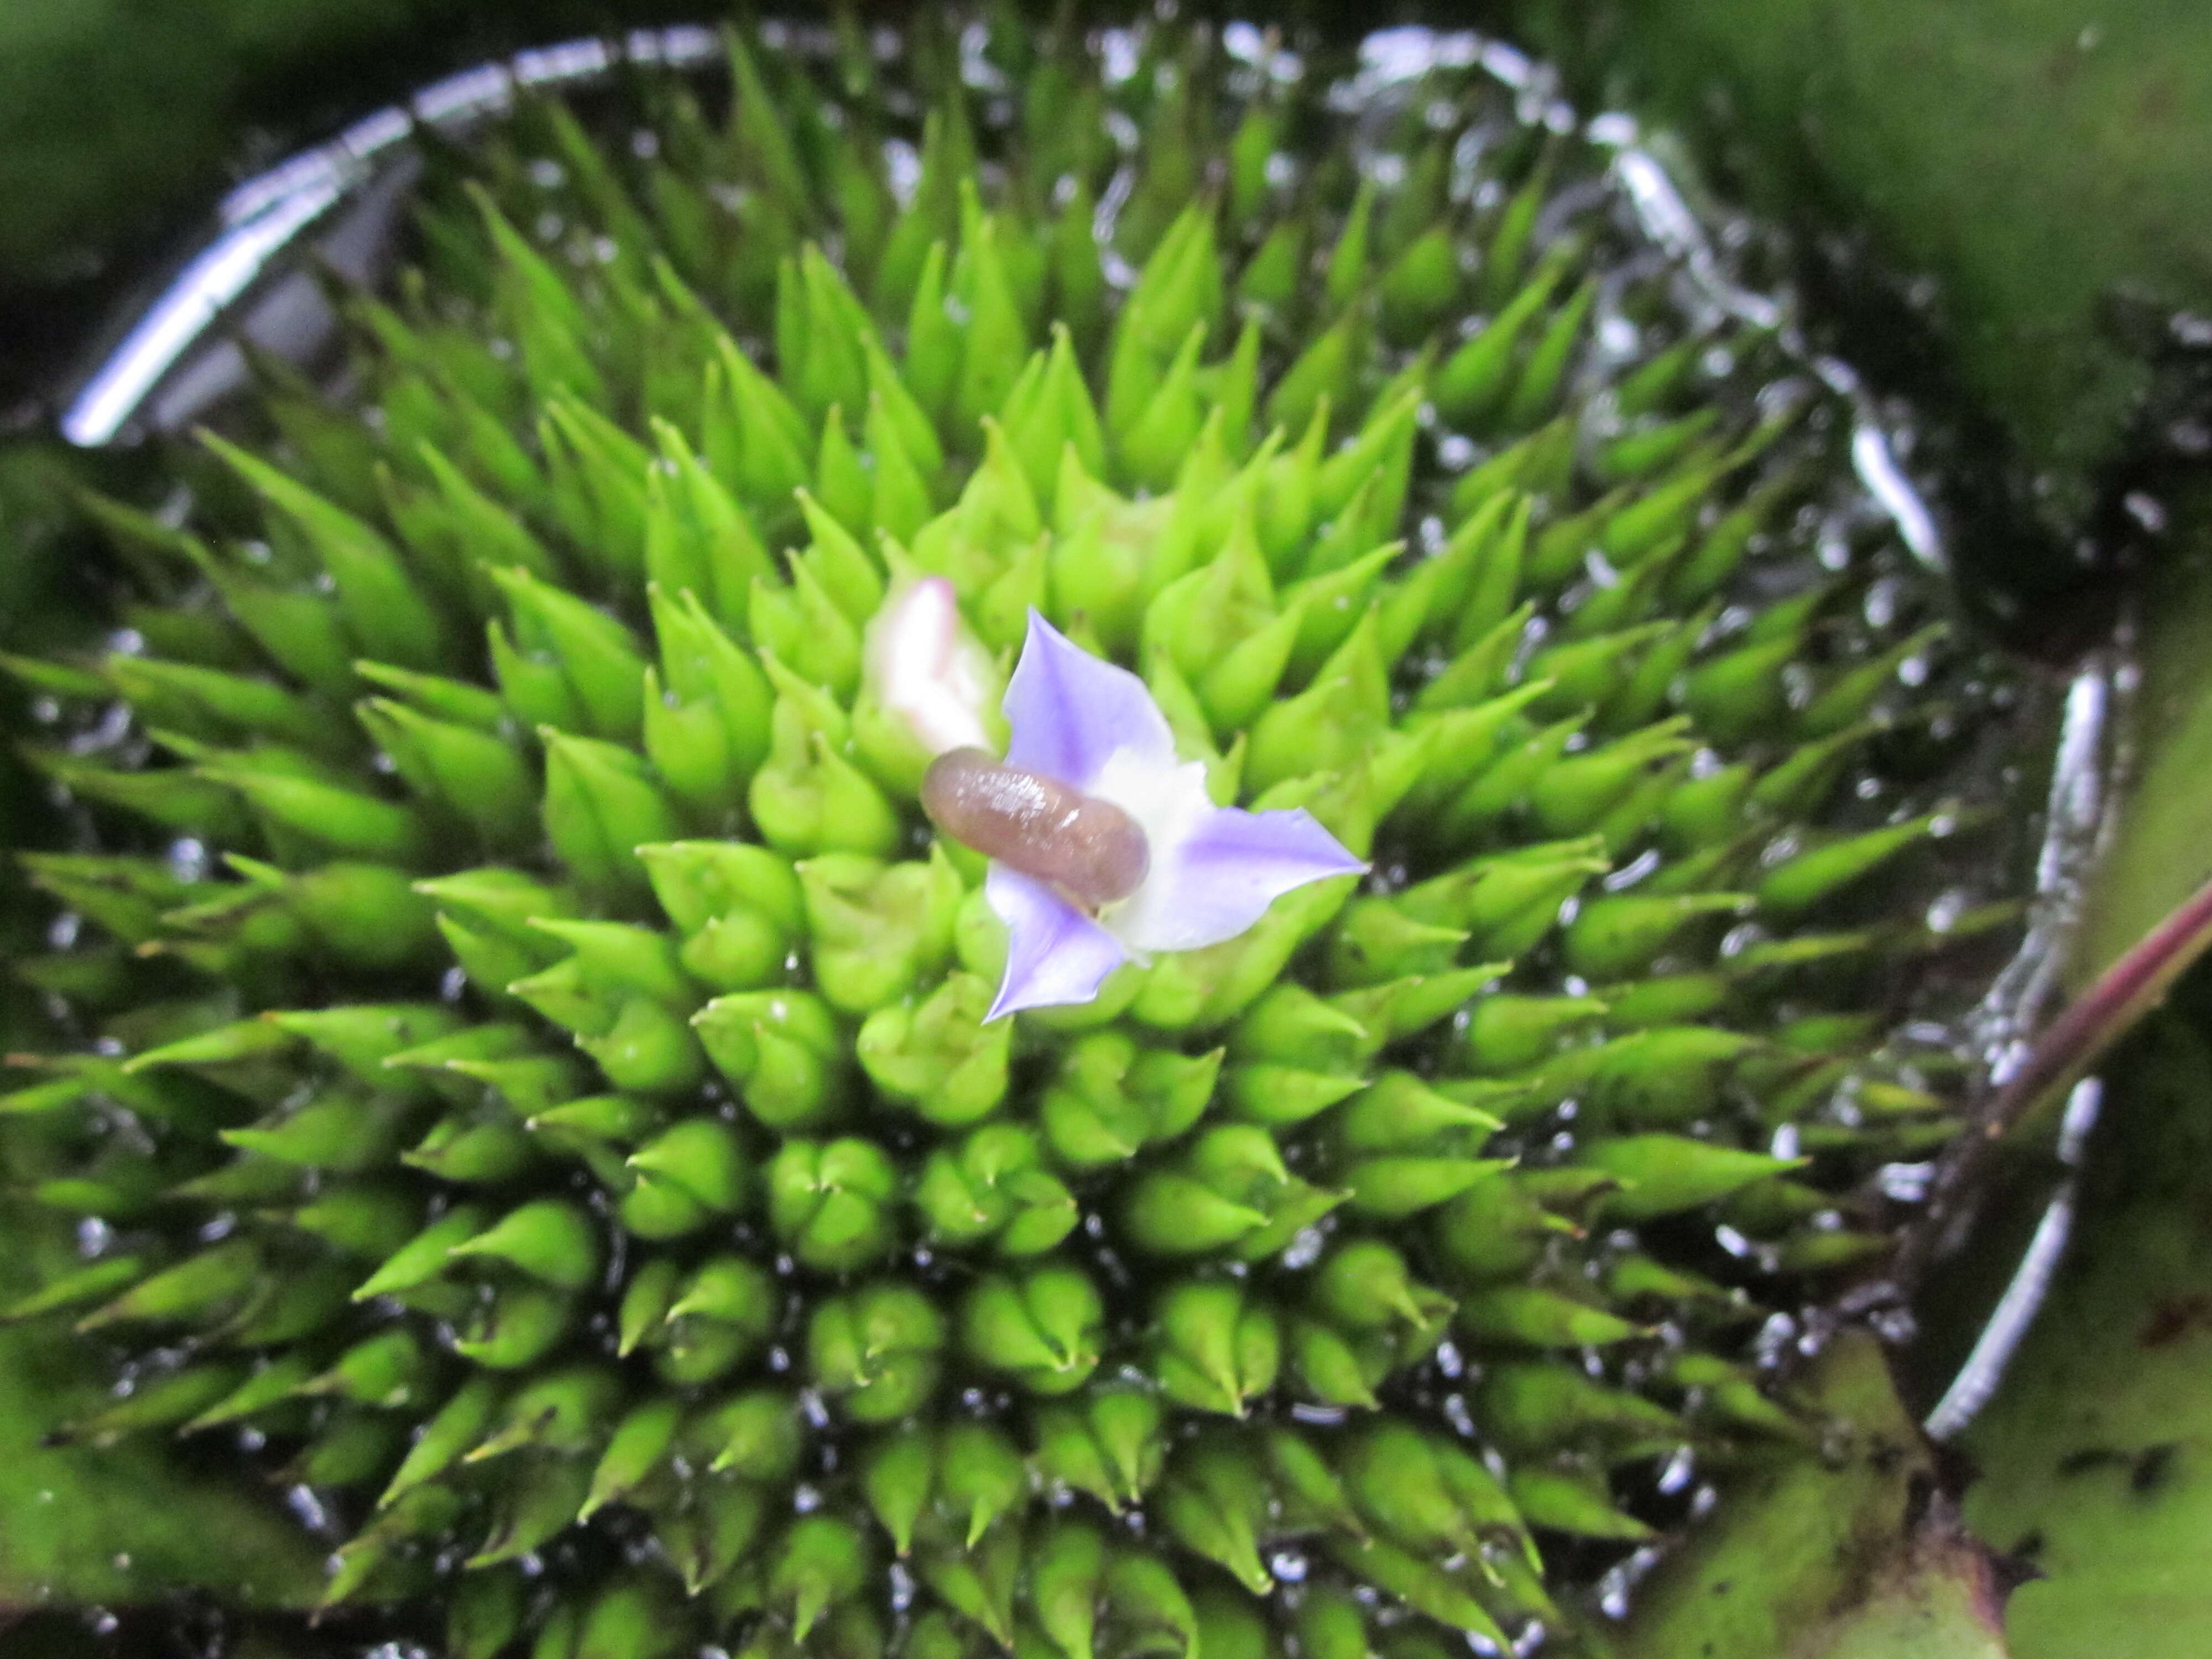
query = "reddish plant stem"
x=2068 y=1048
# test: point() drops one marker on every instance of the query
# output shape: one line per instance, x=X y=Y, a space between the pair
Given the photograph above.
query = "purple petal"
x=1055 y=953
x=1220 y=878
x=1069 y=711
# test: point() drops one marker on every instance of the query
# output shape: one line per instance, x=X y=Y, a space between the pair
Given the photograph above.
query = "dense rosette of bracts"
x=523 y=1064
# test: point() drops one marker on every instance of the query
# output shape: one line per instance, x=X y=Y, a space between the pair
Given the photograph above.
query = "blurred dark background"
x=122 y=122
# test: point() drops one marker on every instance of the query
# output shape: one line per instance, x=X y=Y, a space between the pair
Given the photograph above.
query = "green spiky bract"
x=529 y=1076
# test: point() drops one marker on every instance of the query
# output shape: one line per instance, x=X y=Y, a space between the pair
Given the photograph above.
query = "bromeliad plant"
x=1284 y=1146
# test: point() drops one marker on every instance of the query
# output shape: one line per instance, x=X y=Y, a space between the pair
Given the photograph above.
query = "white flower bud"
x=928 y=669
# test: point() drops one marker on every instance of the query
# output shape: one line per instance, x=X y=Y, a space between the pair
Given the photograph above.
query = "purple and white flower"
x=1212 y=872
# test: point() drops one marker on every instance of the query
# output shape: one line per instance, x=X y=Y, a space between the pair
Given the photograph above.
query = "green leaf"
x=2096 y=1453
x=1815 y=1558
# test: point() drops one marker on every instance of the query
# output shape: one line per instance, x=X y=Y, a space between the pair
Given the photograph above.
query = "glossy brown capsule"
x=1090 y=848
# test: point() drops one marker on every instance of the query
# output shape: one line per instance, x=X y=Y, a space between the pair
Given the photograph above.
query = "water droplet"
x=2146 y=510
x=1904 y=1183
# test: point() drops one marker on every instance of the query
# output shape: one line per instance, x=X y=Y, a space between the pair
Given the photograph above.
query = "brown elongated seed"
x=1090 y=848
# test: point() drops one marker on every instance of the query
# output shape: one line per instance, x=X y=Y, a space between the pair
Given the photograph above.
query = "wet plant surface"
x=519 y=1080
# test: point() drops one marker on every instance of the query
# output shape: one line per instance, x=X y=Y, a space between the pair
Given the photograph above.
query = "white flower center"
x=1168 y=804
